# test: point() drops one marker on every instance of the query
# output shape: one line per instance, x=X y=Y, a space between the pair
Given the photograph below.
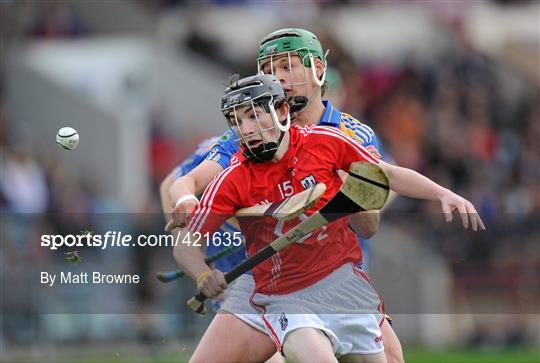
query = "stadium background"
x=451 y=88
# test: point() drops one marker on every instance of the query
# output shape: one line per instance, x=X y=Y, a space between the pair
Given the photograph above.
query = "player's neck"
x=312 y=114
x=283 y=147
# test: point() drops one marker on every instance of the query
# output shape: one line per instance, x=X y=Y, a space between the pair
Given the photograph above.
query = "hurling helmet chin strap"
x=301 y=102
x=266 y=151
x=298 y=103
x=318 y=82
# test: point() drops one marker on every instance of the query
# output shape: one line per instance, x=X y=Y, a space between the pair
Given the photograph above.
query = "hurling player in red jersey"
x=316 y=304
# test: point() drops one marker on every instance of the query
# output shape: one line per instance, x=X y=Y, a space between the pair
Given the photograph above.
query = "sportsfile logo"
x=296 y=234
x=122 y=239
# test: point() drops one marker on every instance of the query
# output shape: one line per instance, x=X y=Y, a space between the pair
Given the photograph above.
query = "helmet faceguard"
x=262 y=91
x=288 y=42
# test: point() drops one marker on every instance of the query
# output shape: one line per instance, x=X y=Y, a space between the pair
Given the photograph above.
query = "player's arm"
x=402 y=180
x=413 y=184
x=188 y=255
x=166 y=204
x=196 y=181
x=217 y=204
x=192 y=257
x=365 y=224
x=183 y=190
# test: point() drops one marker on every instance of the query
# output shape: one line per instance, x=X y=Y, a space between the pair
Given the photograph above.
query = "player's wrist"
x=185 y=198
x=201 y=277
x=442 y=192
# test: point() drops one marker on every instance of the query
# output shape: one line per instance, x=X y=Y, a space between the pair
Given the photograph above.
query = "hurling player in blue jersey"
x=296 y=58
x=201 y=153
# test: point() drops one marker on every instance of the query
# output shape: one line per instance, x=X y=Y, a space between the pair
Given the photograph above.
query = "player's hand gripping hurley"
x=365 y=188
x=169 y=276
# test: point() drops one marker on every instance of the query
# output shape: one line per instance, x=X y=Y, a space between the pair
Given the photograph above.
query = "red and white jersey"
x=315 y=155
